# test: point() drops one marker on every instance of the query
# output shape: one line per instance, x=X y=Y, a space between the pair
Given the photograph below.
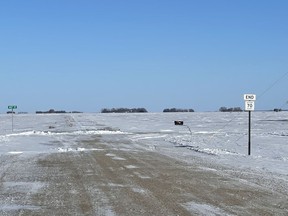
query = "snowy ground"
x=221 y=137
x=217 y=138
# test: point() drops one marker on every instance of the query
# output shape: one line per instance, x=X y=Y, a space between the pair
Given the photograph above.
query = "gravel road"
x=109 y=179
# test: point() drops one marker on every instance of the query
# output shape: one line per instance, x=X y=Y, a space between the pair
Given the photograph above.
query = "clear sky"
x=91 y=54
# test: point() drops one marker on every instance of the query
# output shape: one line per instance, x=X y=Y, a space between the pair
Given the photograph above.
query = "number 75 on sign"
x=249 y=105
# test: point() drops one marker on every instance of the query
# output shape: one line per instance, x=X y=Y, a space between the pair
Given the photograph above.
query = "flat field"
x=143 y=164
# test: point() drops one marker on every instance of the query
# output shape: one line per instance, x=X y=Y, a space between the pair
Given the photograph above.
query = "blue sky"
x=87 y=55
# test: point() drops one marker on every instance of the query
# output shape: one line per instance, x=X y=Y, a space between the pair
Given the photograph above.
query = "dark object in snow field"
x=178 y=122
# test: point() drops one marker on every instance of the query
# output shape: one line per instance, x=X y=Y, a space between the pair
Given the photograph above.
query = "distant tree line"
x=124 y=110
x=279 y=110
x=10 y=112
x=231 y=109
x=177 y=110
x=52 y=111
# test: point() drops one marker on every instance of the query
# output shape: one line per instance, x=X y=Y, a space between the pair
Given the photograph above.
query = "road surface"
x=110 y=178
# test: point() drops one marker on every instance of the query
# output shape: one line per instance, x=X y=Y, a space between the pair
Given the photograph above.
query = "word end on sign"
x=249 y=97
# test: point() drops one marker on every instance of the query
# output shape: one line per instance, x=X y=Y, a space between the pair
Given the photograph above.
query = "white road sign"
x=249 y=105
x=249 y=97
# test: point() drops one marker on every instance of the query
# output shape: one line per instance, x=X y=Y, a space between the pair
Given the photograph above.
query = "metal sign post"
x=249 y=106
x=12 y=107
x=249 y=134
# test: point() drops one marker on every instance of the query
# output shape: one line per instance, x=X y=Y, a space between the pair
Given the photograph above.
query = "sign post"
x=249 y=134
x=12 y=107
x=249 y=106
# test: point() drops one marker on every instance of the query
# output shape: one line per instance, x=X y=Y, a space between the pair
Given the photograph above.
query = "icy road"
x=142 y=164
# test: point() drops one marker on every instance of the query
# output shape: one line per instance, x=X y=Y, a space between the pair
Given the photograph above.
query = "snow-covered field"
x=219 y=137
x=81 y=163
